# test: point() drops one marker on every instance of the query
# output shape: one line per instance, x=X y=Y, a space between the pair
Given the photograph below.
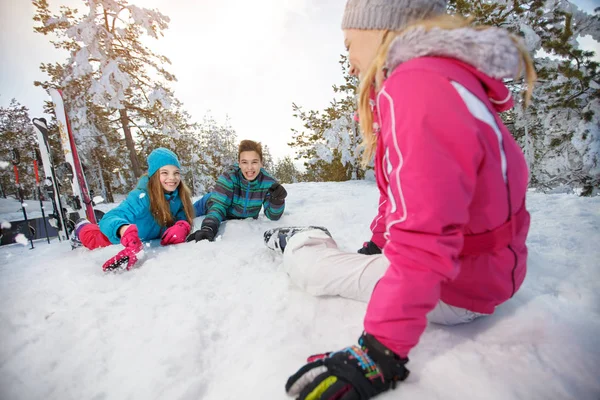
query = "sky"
x=248 y=60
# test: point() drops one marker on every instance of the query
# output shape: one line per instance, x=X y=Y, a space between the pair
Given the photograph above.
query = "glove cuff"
x=392 y=365
x=210 y=224
x=276 y=202
x=183 y=223
x=130 y=237
x=373 y=248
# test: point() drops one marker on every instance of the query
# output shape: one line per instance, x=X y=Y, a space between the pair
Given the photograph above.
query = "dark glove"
x=205 y=233
x=128 y=256
x=176 y=233
x=208 y=231
x=354 y=373
x=369 y=248
x=278 y=194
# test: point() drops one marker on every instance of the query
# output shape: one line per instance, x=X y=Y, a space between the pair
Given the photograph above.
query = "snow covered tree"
x=268 y=162
x=285 y=171
x=214 y=149
x=99 y=142
x=111 y=68
x=559 y=132
x=16 y=132
x=330 y=141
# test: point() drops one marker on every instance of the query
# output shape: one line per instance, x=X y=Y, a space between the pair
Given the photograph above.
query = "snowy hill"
x=221 y=321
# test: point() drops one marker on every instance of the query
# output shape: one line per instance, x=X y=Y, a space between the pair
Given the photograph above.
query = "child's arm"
x=220 y=201
x=274 y=203
x=124 y=214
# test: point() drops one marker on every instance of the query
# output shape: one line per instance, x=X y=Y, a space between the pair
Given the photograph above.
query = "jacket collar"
x=489 y=54
x=491 y=51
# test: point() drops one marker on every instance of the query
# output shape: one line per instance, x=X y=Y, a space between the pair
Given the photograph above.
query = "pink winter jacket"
x=447 y=169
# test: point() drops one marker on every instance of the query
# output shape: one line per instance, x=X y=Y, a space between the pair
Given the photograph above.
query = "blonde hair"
x=374 y=76
x=159 y=206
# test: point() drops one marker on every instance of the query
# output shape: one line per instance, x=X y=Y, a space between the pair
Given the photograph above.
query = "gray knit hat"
x=389 y=14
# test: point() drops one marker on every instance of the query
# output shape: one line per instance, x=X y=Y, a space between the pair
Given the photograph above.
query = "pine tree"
x=215 y=150
x=16 y=132
x=559 y=132
x=268 y=163
x=330 y=141
x=285 y=171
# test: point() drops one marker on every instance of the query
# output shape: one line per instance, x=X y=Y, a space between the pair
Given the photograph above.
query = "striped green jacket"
x=234 y=197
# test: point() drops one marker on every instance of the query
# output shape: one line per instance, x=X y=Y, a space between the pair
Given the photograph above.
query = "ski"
x=78 y=183
x=50 y=183
x=36 y=158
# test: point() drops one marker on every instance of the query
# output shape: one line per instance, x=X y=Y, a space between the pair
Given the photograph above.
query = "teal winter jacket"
x=135 y=209
x=234 y=197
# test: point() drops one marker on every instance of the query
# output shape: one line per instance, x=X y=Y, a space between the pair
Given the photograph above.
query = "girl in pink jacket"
x=452 y=220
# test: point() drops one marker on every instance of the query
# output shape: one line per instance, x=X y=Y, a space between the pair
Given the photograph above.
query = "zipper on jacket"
x=513 y=270
x=247 y=198
x=510 y=215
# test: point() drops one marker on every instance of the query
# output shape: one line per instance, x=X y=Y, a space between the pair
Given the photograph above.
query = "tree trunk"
x=109 y=195
x=105 y=185
x=135 y=164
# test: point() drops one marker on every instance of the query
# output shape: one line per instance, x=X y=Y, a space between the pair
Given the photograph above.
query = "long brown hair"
x=374 y=76
x=159 y=206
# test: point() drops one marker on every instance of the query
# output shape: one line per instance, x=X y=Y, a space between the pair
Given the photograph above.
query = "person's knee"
x=92 y=238
x=310 y=239
x=444 y=314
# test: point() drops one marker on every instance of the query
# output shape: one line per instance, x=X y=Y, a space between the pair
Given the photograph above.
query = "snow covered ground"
x=221 y=321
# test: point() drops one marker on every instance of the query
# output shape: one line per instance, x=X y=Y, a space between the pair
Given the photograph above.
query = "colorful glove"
x=176 y=233
x=278 y=194
x=369 y=248
x=128 y=256
x=354 y=373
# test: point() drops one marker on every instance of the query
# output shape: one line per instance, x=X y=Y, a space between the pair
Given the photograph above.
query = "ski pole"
x=36 y=157
x=15 y=161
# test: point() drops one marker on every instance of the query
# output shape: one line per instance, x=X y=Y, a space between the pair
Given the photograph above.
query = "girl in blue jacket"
x=160 y=207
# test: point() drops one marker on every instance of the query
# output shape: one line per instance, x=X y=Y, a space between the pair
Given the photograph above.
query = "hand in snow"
x=278 y=194
x=176 y=233
x=354 y=373
x=128 y=256
x=369 y=248
x=206 y=233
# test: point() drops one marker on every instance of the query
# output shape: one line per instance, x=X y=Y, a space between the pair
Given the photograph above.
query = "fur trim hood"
x=491 y=51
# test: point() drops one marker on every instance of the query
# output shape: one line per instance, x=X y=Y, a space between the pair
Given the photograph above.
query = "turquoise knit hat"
x=161 y=157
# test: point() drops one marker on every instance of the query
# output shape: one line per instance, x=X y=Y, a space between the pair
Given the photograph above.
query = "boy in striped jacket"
x=240 y=193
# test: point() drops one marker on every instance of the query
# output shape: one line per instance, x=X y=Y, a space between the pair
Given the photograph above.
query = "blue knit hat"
x=161 y=157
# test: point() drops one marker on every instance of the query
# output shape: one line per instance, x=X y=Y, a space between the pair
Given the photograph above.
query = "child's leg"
x=200 y=205
x=92 y=238
x=315 y=264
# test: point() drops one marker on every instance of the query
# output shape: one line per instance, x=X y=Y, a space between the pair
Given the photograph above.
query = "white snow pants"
x=314 y=263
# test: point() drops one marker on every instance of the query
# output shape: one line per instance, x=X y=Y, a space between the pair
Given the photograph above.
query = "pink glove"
x=127 y=256
x=176 y=234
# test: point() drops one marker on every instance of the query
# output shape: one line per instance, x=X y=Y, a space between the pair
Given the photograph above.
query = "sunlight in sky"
x=247 y=60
